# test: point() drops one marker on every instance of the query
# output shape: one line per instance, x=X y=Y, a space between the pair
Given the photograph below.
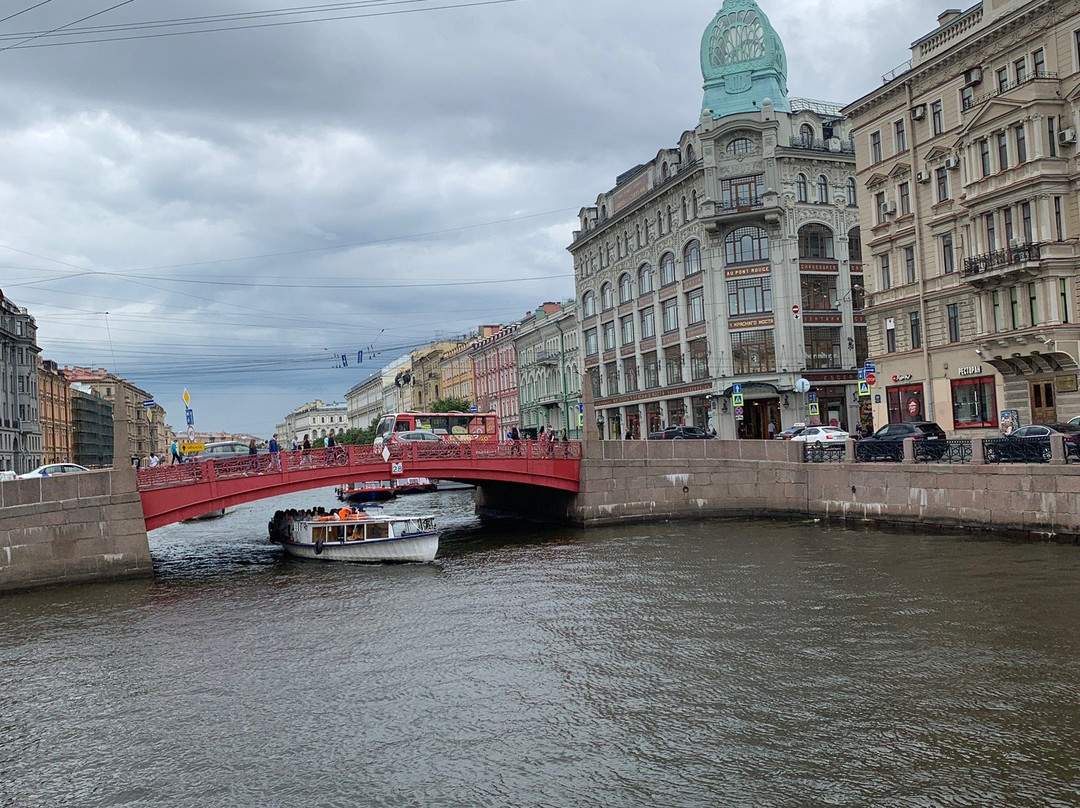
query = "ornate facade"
x=549 y=370
x=966 y=155
x=725 y=261
x=20 y=426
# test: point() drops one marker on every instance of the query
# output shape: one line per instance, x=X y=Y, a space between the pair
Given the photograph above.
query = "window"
x=942 y=184
x=1038 y=64
x=858 y=293
x=995 y=309
x=626 y=293
x=609 y=336
x=1020 y=67
x=822 y=347
x=967 y=97
x=819 y=292
x=947 y=257
x=629 y=375
x=984 y=157
x=800 y=188
x=909 y=263
x=611 y=375
x=991 y=232
x=1063 y=300
x=670 y=313
x=690 y=155
x=886 y=272
x=673 y=365
x=952 y=313
x=815 y=241
x=875 y=147
x=806 y=134
x=607 y=300
x=591 y=346
x=741 y=192
x=974 y=403
x=1033 y=305
x=852 y=199
x=900 y=136
x=905 y=198
x=692 y=258
x=937 y=117
x=648 y=323
x=741 y=145
x=1014 y=307
x=652 y=369
x=1025 y=220
x=695 y=307
x=749 y=296
x=1007 y=214
x=752 y=352
x=822 y=190
x=881 y=207
x=1002 y=152
x=588 y=304
x=1002 y=79
x=1021 y=144
x=699 y=360
x=905 y=403
x=645 y=279
x=746 y=244
x=1051 y=129
x=667 y=269
x=915 y=324
x=626 y=327
x=1059 y=231
x=890 y=335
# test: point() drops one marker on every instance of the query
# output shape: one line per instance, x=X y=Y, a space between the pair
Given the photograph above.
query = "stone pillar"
x=123 y=446
x=849 y=450
x=590 y=440
x=909 y=450
x=977 y=455
x=1057 y=450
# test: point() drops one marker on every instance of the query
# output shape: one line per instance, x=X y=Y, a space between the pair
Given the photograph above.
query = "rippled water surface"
x=677 y=664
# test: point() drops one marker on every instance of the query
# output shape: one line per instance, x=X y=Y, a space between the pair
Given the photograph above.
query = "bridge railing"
x=360 y=457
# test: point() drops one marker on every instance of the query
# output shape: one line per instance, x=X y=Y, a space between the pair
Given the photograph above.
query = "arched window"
x=852 y=199
x=607 y=301
x=588 y=304
x=692 y=258
x=644 y=279
x=659 y=223
x=741 y=145
x=669 y=218
x=625 y=291
x=693 y=204
x=603 y=212
x=854 y=245
x=815 y=241
x=667 y=269
x=664 y=171
x=685 y=211
x=690 y=156
x=800 y=188
x=806 y=134
x=823 y=190
x=746 y=244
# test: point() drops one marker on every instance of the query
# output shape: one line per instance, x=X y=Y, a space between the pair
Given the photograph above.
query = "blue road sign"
x=190 y=415
x=862 y=374
x=736 y=388
x=149 y=403
x=812 y=398
x=869 y=366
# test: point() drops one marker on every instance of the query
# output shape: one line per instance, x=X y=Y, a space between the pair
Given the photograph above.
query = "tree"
x=451 y=405
x=355 y=437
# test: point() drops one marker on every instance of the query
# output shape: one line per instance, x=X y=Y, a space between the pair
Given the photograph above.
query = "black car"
x=681 y=433
x=1031 y=444
x=888 y=442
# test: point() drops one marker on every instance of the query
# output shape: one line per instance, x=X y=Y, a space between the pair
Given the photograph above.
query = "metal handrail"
x=1019 y=254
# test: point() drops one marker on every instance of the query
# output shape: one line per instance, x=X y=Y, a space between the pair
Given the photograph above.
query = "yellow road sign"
x=192 y=448
x=187 y=398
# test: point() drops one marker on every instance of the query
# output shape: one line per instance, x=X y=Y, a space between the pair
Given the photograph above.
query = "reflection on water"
x=711 y=663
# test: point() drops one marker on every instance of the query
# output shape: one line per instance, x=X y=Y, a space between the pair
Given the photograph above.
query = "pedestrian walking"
x=772 y=429
x=515 y=441
x=295 y=443
x=253 y=454
x=176 y=458
x=275 y=454
x=306 y=446
x=154 y=460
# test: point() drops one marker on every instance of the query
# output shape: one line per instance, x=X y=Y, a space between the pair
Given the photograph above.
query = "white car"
x=53 y=470
x=822 y=434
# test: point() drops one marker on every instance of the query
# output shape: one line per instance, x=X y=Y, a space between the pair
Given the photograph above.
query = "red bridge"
x=173 y=493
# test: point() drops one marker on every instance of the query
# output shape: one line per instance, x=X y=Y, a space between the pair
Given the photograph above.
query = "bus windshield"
x=453 y=425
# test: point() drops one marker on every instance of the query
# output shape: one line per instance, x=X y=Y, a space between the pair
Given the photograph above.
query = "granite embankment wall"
x=70 y=529
x=646 y=480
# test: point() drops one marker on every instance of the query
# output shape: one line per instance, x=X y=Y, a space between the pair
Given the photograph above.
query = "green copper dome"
x=742 y=61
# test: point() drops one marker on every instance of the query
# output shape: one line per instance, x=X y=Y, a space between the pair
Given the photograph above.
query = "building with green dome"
x=730 y=261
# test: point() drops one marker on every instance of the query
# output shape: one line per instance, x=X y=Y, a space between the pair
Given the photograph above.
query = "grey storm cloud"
x=229 y=211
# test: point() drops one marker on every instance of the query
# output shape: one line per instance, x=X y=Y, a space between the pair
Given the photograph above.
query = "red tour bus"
x=453 y=425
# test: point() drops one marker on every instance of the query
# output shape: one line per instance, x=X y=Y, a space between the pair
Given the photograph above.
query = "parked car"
x=887 y=443
x=791 y=431
x=416 y=436
x=821 y=434
x=1075 y=420
x=221 y=450
x=681 y=433
x=6 y=475
x=53 y=470
x=1032 y=444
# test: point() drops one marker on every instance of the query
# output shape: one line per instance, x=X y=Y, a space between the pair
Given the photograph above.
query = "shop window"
x=974 y=403
x=906 y=403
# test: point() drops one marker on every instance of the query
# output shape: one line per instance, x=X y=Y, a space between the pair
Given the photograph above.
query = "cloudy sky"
x=228 y=211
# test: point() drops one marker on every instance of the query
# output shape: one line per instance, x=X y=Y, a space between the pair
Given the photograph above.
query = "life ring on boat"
x=327 y=518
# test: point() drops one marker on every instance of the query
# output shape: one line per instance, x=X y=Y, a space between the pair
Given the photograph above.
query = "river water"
x=716 y=663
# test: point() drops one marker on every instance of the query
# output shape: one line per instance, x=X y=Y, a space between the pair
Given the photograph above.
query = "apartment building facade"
x=55 y=410
x=20 y=425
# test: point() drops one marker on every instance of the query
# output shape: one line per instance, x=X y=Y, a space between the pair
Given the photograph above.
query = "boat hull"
x=421 y=547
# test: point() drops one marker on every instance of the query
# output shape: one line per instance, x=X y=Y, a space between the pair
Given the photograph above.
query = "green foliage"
x=451 y=405
x=356 y=437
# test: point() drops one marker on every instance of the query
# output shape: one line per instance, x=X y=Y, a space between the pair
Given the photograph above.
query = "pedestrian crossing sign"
x=864 y=388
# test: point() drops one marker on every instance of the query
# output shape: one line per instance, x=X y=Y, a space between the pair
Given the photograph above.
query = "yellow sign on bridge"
x=192 y=448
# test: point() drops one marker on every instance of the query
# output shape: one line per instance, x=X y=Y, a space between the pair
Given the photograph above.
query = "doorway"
x=1043 y=408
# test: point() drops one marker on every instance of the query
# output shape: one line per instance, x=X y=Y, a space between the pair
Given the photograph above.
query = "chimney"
x=947 y=16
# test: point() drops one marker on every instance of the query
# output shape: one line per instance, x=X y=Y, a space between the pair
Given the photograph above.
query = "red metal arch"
x=174 y=493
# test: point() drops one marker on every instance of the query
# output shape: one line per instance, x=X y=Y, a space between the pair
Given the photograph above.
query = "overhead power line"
x=23 y=42
x=17 y=13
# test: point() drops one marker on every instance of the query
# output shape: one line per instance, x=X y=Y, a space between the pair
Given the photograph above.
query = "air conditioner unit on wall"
x=973 y=76
x=922 y=176
x=1067 y=135
x=952 y=162
x=890 y=208
x=918 y=112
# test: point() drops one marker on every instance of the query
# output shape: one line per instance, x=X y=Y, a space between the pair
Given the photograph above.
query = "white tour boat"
x=350 y=534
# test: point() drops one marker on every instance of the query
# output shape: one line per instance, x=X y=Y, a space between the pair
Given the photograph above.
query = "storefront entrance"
x=756 y=417
x=1043 y=406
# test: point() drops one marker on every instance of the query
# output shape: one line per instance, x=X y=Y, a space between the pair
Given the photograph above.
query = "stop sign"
x=870 y=379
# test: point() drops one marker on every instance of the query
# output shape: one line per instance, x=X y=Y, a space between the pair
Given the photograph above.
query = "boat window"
x=318 y=533
x=378 y=530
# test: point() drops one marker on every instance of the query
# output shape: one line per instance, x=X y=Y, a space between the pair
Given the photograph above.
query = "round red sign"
x=870 y=379
x=913 y=406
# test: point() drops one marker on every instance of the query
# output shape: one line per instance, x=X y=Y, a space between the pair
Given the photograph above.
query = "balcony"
x=1003 y=264
x=719 y=214
x=834 y=144
x=546 y=357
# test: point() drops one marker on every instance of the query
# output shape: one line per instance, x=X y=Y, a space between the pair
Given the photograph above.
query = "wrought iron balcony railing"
x=1010 y=256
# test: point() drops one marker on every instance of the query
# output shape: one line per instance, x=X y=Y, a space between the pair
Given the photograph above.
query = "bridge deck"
x=173 y=493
